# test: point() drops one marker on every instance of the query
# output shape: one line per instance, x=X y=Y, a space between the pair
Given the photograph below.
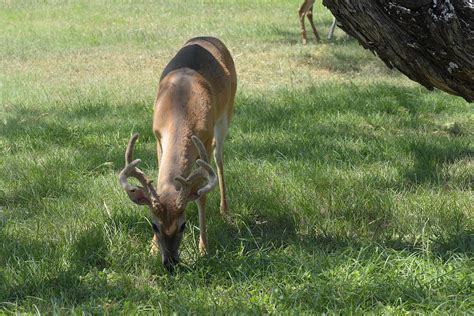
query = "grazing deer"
x=306 y=10
x=193 y=109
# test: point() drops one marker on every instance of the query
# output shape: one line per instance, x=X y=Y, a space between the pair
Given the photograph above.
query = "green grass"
x=351 y=186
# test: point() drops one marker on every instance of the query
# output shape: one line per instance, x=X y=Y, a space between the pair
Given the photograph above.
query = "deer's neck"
x=182 y=109
x=177 y=159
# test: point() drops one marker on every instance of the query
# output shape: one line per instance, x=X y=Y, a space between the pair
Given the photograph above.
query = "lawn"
x=351 y=186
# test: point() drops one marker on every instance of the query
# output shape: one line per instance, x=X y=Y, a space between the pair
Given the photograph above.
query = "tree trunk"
x=430 y=41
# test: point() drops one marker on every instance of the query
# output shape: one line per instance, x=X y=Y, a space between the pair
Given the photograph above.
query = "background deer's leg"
x=309 y=14
x=331 y=29
x=302 y=26
x=220 y=132
x=203 y=246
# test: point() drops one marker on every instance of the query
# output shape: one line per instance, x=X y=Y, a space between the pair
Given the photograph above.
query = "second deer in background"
x=306 y=10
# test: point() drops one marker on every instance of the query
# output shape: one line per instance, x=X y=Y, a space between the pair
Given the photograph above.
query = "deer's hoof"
x=224 y=209
x=203 y=249
x=154 y=250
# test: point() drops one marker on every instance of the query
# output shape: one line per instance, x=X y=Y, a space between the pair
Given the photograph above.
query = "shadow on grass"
x=341 y=126
x=320 y=128
x=275 y=228
x=456 y=242
x=431 y=157
x=386 y=122
x=49 y=152
x=18 y=251
x=90 y=249
x=341 y=54
x=76 y=274
x=265 y=224
x=293 y=36
x=333 y=125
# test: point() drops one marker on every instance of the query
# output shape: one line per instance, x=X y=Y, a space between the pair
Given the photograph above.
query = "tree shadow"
x=265 y=133
x=82 y=278
x=288 y=114
x=293 y=116
x=264 y=129
x=284 y=36
x=341 y=54
x=430 y=158
x=293 y=36
x=73 y=127
x=264 y=224
x=15 y=251
x=84 y=132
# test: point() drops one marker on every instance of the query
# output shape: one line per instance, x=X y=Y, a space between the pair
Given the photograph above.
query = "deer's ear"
x=138 y=196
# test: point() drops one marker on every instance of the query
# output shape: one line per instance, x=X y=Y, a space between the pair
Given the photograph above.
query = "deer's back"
x=209 y=57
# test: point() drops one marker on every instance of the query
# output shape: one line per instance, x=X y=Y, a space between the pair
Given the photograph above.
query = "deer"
x=306 y=10
x=192 y=112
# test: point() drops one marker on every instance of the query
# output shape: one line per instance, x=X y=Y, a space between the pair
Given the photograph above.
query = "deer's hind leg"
x=332 y=28
x=301 y=16
x=309 y=15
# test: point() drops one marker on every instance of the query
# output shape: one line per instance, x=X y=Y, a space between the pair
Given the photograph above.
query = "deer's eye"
x=182 y=228
x=155 y=228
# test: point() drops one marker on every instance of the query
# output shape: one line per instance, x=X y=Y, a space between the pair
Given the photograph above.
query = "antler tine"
x=127 y=172
x=181 y=181
x=197 y=177
x=203 y=162
x=130 y=147
x=211 y=176
x=200 y=147
x=131 y=170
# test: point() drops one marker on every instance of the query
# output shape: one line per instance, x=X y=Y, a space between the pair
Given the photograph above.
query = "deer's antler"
x=200 y=181
x=144 y=195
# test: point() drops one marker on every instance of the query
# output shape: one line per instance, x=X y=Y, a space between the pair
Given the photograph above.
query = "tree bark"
x=430 y=41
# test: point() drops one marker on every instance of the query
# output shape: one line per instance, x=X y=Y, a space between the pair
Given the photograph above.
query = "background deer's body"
x=193 y=109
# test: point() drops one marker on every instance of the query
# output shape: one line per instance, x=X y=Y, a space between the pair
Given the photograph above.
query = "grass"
x=351 y=186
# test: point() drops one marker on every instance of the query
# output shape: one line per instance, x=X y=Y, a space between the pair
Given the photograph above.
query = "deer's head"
x=167 y=211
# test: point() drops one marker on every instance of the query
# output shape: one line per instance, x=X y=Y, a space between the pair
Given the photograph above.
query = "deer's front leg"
x=220 y=132
x=203 y=246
